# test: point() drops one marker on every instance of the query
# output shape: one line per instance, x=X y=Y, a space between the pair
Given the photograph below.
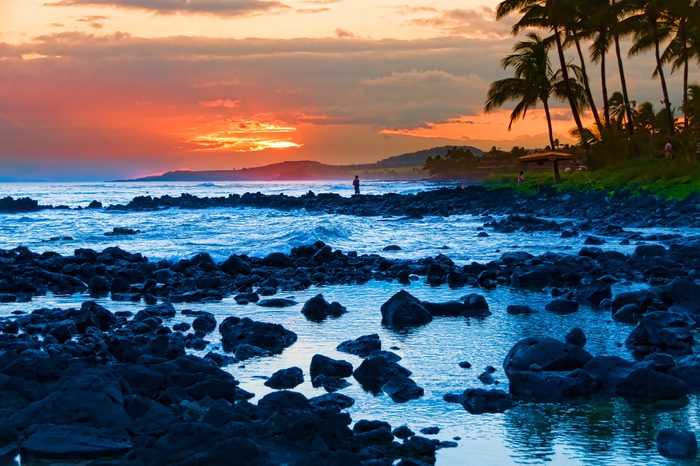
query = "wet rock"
x=335 y=401
x=562 y=306
x=361 y=346
x=641 y=298
x=286 y=378
x=392 y=247
x=323 y=365
x=629 y=314
x=576 y=337
x=403 y=310
x=547 y=353
x=674 y=443
x=486 y=378
x=318 y=309
x=74 y=442
x=402 y=389
x=471 y=306
x=683 y=293
x=593 y=241
x=480 y=401
x=403 y=432
x=610 y=370
x=667 y=332
x=465 y=365
x=276 y=302
x=647 y=384
x=552 y=387
x=375 y=371
x=278 y=260
x=688 y=370
x=234 y=265
x=430 y=430
x=329 y=383
x=122 y=231
x=204 y=323
x=593 y=293
x=272 y=338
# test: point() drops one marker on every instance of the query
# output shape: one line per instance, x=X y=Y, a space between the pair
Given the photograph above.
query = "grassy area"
x=670 y=179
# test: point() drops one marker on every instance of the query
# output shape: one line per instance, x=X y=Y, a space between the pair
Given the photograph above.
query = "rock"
x=552 y=387
x=547 y=353
x=403 y=310
x=610 y=370
x=593 y=241
x=465 y=365
x=593 y=293
x=234 y=265
x=674 y=443
x=392 y=247
x=272 y=338
x=74 y=442
x=204 y=323
x=318 y=309
x=576 y=337
x=283 y=400
x=375 y=371
x=276 y=302
x=642 y=298
x=335 y=401
x=329 y=383
x=480 y=401
x=688 y=370
x=122 y=231
x=286 y=378
x=430 y=430
x=403 y=432
x=629 y=314
x=515 y=309
x=402 y=389
x=278 y=260
x=486 y=378
x=471 y=306
x=323 y=365
x=683 y=293
x=647 y=384
x=476 y=305
x=667 y=332
x=562 y=306
x=361 y=346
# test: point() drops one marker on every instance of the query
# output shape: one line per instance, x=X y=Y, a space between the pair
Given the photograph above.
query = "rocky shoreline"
x=91 y=385
x=624 y=208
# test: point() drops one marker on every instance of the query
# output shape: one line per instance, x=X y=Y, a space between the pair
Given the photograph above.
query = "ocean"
x=607 y=432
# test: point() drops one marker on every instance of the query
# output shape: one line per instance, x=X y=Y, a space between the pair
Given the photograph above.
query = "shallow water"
x=613 y=433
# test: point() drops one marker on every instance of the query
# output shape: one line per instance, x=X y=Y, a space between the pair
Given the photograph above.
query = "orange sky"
x=98 y=89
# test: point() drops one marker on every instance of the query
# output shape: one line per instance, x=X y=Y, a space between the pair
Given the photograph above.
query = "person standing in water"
x=521 y=178
x=356 y=184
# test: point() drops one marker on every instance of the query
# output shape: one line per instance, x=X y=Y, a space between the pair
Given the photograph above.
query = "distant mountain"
x=417 y=158
x=404 y=166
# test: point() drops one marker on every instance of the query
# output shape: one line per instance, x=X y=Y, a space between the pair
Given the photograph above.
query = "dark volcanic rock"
x=552 y=387
x=480 y=401
x=547 y=354
x=276 y=302
x=74 y=442
x=647 y=384
x=516 y=309
x=361 y=346
x=674 y=443
x=667 y=332
x=285 y=379
x=272 y=338
x=375 y=371
x=562 y=306
x=318 y=309
x=401 y=389
x=403 y=310
x=323 y=365
x=204 y=323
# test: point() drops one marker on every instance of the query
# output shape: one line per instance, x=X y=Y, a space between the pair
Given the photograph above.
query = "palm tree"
x=534 y=81
x=550 y=14
x=685 y=43
x=649 y=24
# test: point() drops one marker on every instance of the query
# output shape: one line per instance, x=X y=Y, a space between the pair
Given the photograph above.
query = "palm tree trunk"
x=623 y=83
x=587 y=85
x=664 y=88
x=685 y=90
x=565 y=76
x=604 y=86
x=549 y=122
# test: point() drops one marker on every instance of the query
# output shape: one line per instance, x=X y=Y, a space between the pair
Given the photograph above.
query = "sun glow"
x=245 y=136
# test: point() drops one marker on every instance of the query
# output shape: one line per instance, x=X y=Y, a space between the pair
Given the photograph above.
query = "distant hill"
x=404 y=166
x=417 y=158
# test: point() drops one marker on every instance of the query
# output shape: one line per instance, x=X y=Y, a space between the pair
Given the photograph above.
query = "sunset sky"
x=102 y=89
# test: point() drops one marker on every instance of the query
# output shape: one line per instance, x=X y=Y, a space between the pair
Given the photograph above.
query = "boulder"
x=402 y=389
x=610 y=370
x=276 y=302
x=576 y=337
x=480 y=401
x=677 y=444
x=323 y=365
x=318 y=309
x=74 y=442
x=546 y=353
x=552 y=387
x=334 y=401
x=361 y=346
x=278 y=260
x=272 y=338
x=285 y=379
x=667 y=332
x=516 y=309
x=375 y=371
x=403 y=310
x=204 y=323
x=647 y=384
x=688 y=370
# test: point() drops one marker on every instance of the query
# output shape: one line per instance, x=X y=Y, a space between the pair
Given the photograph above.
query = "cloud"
x=477 y=23
x=343 y=33
x=305 y=11
x=220 y=103
x=210 y=7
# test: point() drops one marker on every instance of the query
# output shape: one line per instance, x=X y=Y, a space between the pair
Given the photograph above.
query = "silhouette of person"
x=521 y=178
x=668 y=150
x=356 y=185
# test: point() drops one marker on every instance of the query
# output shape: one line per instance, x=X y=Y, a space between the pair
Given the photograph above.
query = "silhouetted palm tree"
x=534 y=81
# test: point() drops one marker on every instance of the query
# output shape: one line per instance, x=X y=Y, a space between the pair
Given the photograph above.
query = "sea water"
x=592 y=433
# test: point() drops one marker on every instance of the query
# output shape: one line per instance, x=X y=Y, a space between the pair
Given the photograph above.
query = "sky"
x=104 y=89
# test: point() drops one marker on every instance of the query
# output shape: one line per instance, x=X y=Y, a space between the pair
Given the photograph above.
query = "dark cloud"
x=211 y=7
